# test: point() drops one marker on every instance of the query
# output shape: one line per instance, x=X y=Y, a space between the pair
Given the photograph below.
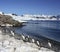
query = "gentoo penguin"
x=38 y=43
x=23 y=37
x=27 y=38
x=33 y=40
x=12 y=33
x=49 y=44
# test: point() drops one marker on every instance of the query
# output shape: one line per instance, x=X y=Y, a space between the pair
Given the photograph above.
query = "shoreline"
x=29 y=39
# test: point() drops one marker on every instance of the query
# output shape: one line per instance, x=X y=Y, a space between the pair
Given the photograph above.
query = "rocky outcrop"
x=5 y=19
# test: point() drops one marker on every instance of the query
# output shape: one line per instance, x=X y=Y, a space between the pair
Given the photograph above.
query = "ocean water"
x=39 y=29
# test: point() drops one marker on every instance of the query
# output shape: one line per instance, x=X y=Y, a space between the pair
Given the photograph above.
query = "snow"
x=10 y=44
x=1 y=13
x=27 y=17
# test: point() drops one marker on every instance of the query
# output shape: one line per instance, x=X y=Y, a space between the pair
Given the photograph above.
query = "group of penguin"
x=29 y=39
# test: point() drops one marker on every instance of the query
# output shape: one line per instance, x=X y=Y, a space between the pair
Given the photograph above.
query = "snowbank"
x=10 y=44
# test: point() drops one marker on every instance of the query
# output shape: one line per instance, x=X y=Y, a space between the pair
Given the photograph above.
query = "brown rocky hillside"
x=5 y=19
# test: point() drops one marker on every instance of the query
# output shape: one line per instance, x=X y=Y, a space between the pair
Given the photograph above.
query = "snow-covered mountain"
x=26 y=17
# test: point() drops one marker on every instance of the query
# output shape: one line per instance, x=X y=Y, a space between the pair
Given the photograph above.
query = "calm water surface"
x=48 y=29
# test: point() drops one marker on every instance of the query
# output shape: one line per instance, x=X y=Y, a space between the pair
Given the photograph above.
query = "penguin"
x=28 y=36
x=38 y=43
x=49 y=44
x=26 y=39
x=33 y=40
x=23 y=37
x=12 y=33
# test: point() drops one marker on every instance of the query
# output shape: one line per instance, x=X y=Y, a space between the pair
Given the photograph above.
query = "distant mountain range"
x=26 y=17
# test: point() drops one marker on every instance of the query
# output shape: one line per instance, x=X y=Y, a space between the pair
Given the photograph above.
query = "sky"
x=46 y=7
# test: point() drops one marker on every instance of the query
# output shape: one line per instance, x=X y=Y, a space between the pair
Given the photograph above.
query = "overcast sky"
x=48 y=7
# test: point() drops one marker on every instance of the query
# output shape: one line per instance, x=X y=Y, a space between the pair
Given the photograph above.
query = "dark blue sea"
x=48 y=29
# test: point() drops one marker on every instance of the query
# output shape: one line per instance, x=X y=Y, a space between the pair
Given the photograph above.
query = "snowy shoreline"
x=11 y=42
